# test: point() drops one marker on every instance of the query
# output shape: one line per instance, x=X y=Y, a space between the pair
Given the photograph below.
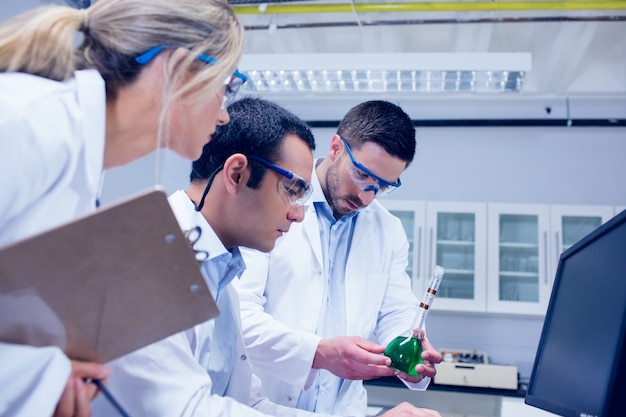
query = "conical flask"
x=405 y=351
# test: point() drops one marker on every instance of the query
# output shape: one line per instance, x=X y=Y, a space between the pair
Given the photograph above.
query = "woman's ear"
x=236 y=172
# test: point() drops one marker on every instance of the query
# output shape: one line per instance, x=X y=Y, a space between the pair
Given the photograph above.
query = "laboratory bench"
x=450 y=400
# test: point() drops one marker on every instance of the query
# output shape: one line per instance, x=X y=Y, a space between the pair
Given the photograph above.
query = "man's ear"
x=236 y=172
x=336 y=147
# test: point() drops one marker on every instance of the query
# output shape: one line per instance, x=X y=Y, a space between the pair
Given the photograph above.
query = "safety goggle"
x=366 y=179
x=232 y=84
x=297 y=189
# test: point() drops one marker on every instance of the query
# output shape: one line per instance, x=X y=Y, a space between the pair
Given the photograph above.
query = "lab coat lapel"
x=312 y=233
x=357 y=269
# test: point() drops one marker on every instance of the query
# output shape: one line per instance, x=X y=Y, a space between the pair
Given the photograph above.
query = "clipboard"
x=104 y=285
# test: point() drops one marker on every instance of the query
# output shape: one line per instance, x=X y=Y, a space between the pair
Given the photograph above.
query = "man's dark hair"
x=257 y=127
x=383 y=123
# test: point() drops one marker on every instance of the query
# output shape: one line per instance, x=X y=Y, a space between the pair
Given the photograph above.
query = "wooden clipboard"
x=104 y=285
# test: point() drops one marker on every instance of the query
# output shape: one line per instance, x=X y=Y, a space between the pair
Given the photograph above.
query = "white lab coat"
x=168 y=379
x=52 y=150
x=281 y=294
x=31 y=379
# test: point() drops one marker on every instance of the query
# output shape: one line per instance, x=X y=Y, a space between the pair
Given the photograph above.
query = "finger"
x=81 y=400
x=370 y=359
x=360 y=371
x=370 y=346
x=432 y=356
x=91 y=390
x=428 y=412
x=419 y=333
x=425 y=343
x=65 y=406
x=409 y=378
x=90 y=370
x=425 y=370
x=379 y=371
x=359 y=355
x=429 y=353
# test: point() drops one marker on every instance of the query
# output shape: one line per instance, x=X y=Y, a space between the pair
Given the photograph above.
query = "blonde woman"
x=146 y=74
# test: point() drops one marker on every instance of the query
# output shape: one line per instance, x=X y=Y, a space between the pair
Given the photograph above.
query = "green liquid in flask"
x=405 y=354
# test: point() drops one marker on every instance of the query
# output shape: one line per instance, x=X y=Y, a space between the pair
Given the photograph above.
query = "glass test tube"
x=427 y=301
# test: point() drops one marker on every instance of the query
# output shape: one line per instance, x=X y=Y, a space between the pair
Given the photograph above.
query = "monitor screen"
x=580 y=366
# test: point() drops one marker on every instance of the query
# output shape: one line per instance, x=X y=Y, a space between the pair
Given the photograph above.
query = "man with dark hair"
x=247 y=188
x=319 y=309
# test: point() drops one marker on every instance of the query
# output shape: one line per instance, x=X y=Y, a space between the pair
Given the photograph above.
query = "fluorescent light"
x=385 y=72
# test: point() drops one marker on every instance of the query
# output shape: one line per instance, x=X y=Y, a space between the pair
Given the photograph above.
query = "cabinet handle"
x=545 y=257
x=431 y=251
x=419 y=252
x=558 y=245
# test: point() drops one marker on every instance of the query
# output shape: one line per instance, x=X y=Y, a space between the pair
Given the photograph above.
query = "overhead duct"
x=271 y=7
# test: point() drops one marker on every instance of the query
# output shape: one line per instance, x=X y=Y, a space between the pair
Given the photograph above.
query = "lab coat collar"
x=318 y=193
x=90 y=94
x=224 y=264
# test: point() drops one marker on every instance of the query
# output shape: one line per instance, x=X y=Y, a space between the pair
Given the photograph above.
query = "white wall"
x=519 y=165
x=553 y=165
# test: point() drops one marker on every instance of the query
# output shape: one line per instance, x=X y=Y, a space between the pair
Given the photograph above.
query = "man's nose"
x=296 y=213
x=368 y=194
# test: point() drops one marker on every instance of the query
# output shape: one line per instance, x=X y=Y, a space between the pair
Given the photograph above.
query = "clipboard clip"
x=193 y=235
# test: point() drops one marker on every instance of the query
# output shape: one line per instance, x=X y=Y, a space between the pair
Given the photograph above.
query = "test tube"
x=427 y=301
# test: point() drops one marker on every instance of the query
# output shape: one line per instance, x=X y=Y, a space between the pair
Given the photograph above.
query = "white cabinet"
x=517 y=247
x=457 y=240
x=412 y=216
x=452 y=235
x=499 y=258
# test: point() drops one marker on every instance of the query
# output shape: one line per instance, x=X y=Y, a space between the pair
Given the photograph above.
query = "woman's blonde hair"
x=115 y=32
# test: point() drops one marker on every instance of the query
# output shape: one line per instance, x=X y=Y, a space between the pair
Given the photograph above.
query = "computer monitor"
x=580 y=366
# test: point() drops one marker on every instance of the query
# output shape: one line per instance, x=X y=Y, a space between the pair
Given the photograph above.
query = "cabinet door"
x=457 y=235
x=411 y=214
x=517 y=264
x=569 y=224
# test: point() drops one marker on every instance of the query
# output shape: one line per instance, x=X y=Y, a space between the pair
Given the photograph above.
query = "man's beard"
x=333 y=184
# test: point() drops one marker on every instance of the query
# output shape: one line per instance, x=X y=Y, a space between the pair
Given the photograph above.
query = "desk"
x=452 y=401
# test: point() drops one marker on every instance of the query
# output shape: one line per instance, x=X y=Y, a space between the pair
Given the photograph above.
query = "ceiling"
x=577 y=47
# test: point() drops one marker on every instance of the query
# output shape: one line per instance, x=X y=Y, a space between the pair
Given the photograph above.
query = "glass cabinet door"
x=570 y=224
x=575 y=228
x=517 y=270
x=519 y=258
x=408 y=222
x=411 y=214
x=457 y=242
x=455 y=248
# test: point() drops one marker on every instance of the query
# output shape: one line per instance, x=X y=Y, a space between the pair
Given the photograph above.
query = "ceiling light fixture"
x=386 y=72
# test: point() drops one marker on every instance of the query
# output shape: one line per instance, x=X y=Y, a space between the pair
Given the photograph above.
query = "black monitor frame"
x=569 y=378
